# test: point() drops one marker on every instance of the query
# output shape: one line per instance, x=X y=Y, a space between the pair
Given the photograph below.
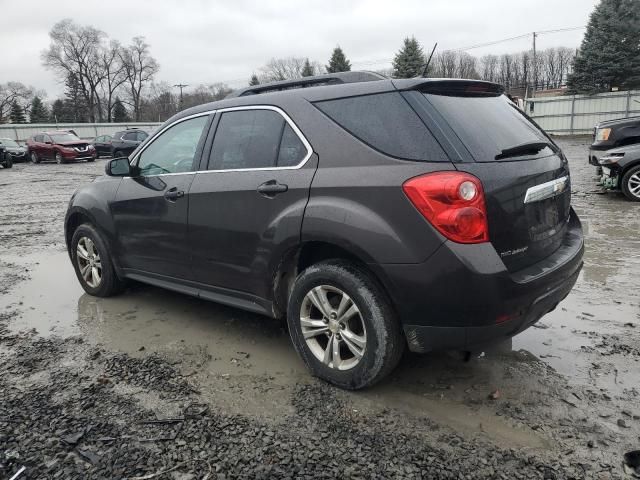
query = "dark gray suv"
x=374 y=214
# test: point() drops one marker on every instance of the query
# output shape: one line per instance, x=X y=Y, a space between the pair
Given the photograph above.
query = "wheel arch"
x=310 y=253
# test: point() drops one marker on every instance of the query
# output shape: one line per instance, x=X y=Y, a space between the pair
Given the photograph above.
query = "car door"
x=129 y=142
x=46 y=148
x=246 y=209
x=150 y=208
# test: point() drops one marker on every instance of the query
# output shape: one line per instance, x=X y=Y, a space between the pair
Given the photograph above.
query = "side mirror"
x=118 y=167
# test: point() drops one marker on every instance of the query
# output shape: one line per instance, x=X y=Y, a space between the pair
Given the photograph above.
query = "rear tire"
x=369 y=342
x=116 y=154
x=631 y=184
x=34 y=157
x=8 y=161
x=93 y=263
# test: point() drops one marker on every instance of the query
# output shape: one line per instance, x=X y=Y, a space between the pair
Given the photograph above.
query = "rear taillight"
x=453 y=202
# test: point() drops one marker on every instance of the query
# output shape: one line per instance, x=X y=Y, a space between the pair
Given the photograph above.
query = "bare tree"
x=14 y=92
x=278 y=69
x=489 y=68
x=114 y=75
x=139 y=69
x=75 y=50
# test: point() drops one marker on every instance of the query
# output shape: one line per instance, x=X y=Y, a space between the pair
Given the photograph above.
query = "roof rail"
x=314 y=81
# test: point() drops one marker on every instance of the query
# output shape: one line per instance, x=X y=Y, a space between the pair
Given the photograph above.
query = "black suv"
x=374 y=215
x=125 y=142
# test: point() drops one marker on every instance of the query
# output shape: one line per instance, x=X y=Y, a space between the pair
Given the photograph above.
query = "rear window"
x=488 y=125
x=387 y=123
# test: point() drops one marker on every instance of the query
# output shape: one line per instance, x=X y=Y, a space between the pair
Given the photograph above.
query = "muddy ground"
x=156 y=383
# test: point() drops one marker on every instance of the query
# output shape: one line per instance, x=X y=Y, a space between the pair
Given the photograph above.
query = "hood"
x=618 y=121
x=15 y=149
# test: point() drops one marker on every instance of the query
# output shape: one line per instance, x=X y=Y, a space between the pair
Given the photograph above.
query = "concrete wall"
x=21 y=132
x=578 y=114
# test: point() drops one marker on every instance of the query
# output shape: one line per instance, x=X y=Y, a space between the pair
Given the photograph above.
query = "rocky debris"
x=71 y=410
x=75 y=427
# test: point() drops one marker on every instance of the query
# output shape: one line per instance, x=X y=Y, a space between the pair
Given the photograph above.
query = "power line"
x=369 y=63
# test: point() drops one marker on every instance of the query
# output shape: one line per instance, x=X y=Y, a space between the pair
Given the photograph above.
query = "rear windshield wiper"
x=529 y=148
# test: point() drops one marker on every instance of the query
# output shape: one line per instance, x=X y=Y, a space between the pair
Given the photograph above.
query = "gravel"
x=72 y=406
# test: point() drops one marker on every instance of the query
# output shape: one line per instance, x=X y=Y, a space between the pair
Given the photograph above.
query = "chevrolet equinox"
x=374 y=214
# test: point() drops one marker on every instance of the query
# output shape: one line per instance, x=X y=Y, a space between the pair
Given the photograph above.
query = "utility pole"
x=181 y=86
x=535 y=66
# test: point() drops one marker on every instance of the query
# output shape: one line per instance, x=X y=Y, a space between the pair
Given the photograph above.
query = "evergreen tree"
x=409 y=61
x=58 y=111
x=307 y=69
x=75 y=103
x=338 y=62
x=254 y=80
x=119 y=112
x=39 y=112
x=610 y=52
x=17 y=113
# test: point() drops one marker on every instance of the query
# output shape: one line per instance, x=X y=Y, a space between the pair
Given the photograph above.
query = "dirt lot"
x=152 y=381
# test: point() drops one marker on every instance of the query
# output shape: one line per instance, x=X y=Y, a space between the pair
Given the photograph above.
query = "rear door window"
x=249 y=139
x=386 y=123
x=489 y=125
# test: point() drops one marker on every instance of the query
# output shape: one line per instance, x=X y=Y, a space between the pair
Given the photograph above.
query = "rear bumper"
x=463 y=296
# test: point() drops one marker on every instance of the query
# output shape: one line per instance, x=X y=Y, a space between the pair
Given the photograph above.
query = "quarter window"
x=130 y=136
x=255 y=139
x=174 y=150
x=387 y=123
x=292 y=150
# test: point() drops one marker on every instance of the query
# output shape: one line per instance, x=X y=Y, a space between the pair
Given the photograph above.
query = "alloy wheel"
x=58 y=158
x=333 y=327
x=89 y=263
x=634 y=185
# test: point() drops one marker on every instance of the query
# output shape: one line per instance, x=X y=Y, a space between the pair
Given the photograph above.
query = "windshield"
x=489 y=126
x=64 y=137
x=7 y=142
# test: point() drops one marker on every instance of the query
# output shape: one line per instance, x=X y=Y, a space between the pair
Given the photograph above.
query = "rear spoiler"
x=451 y=87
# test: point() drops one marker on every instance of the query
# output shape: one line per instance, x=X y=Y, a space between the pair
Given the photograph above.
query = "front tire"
x=631 y=184
x=343 y=326
x=93 y=264
x=59 y=159
x=8 y=161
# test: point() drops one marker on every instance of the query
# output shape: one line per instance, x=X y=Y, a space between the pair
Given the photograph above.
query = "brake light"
x=453 y=202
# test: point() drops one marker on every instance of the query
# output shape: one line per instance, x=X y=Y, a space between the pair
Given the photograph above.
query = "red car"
x=60 y=146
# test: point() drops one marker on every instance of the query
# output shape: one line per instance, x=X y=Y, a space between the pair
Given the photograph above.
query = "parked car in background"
x=125 y=142
x=621 y=170
x=103 y=145
x=5 y=158
x=374 y=215
x=60 y=146
x=17 y=152
x=612 y=134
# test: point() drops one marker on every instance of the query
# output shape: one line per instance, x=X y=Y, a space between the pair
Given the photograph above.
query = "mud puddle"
x=246 y=363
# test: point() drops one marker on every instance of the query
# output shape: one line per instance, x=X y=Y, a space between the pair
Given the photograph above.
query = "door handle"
x=271 y=188
x=173 y=194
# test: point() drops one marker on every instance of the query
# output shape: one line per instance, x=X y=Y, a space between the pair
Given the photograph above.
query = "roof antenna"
x=426 y=67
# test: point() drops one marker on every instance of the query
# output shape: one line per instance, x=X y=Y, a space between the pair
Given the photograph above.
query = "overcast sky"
x=208 y=41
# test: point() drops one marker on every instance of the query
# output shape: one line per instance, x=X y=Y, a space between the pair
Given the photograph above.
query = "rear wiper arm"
x=522 y=149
